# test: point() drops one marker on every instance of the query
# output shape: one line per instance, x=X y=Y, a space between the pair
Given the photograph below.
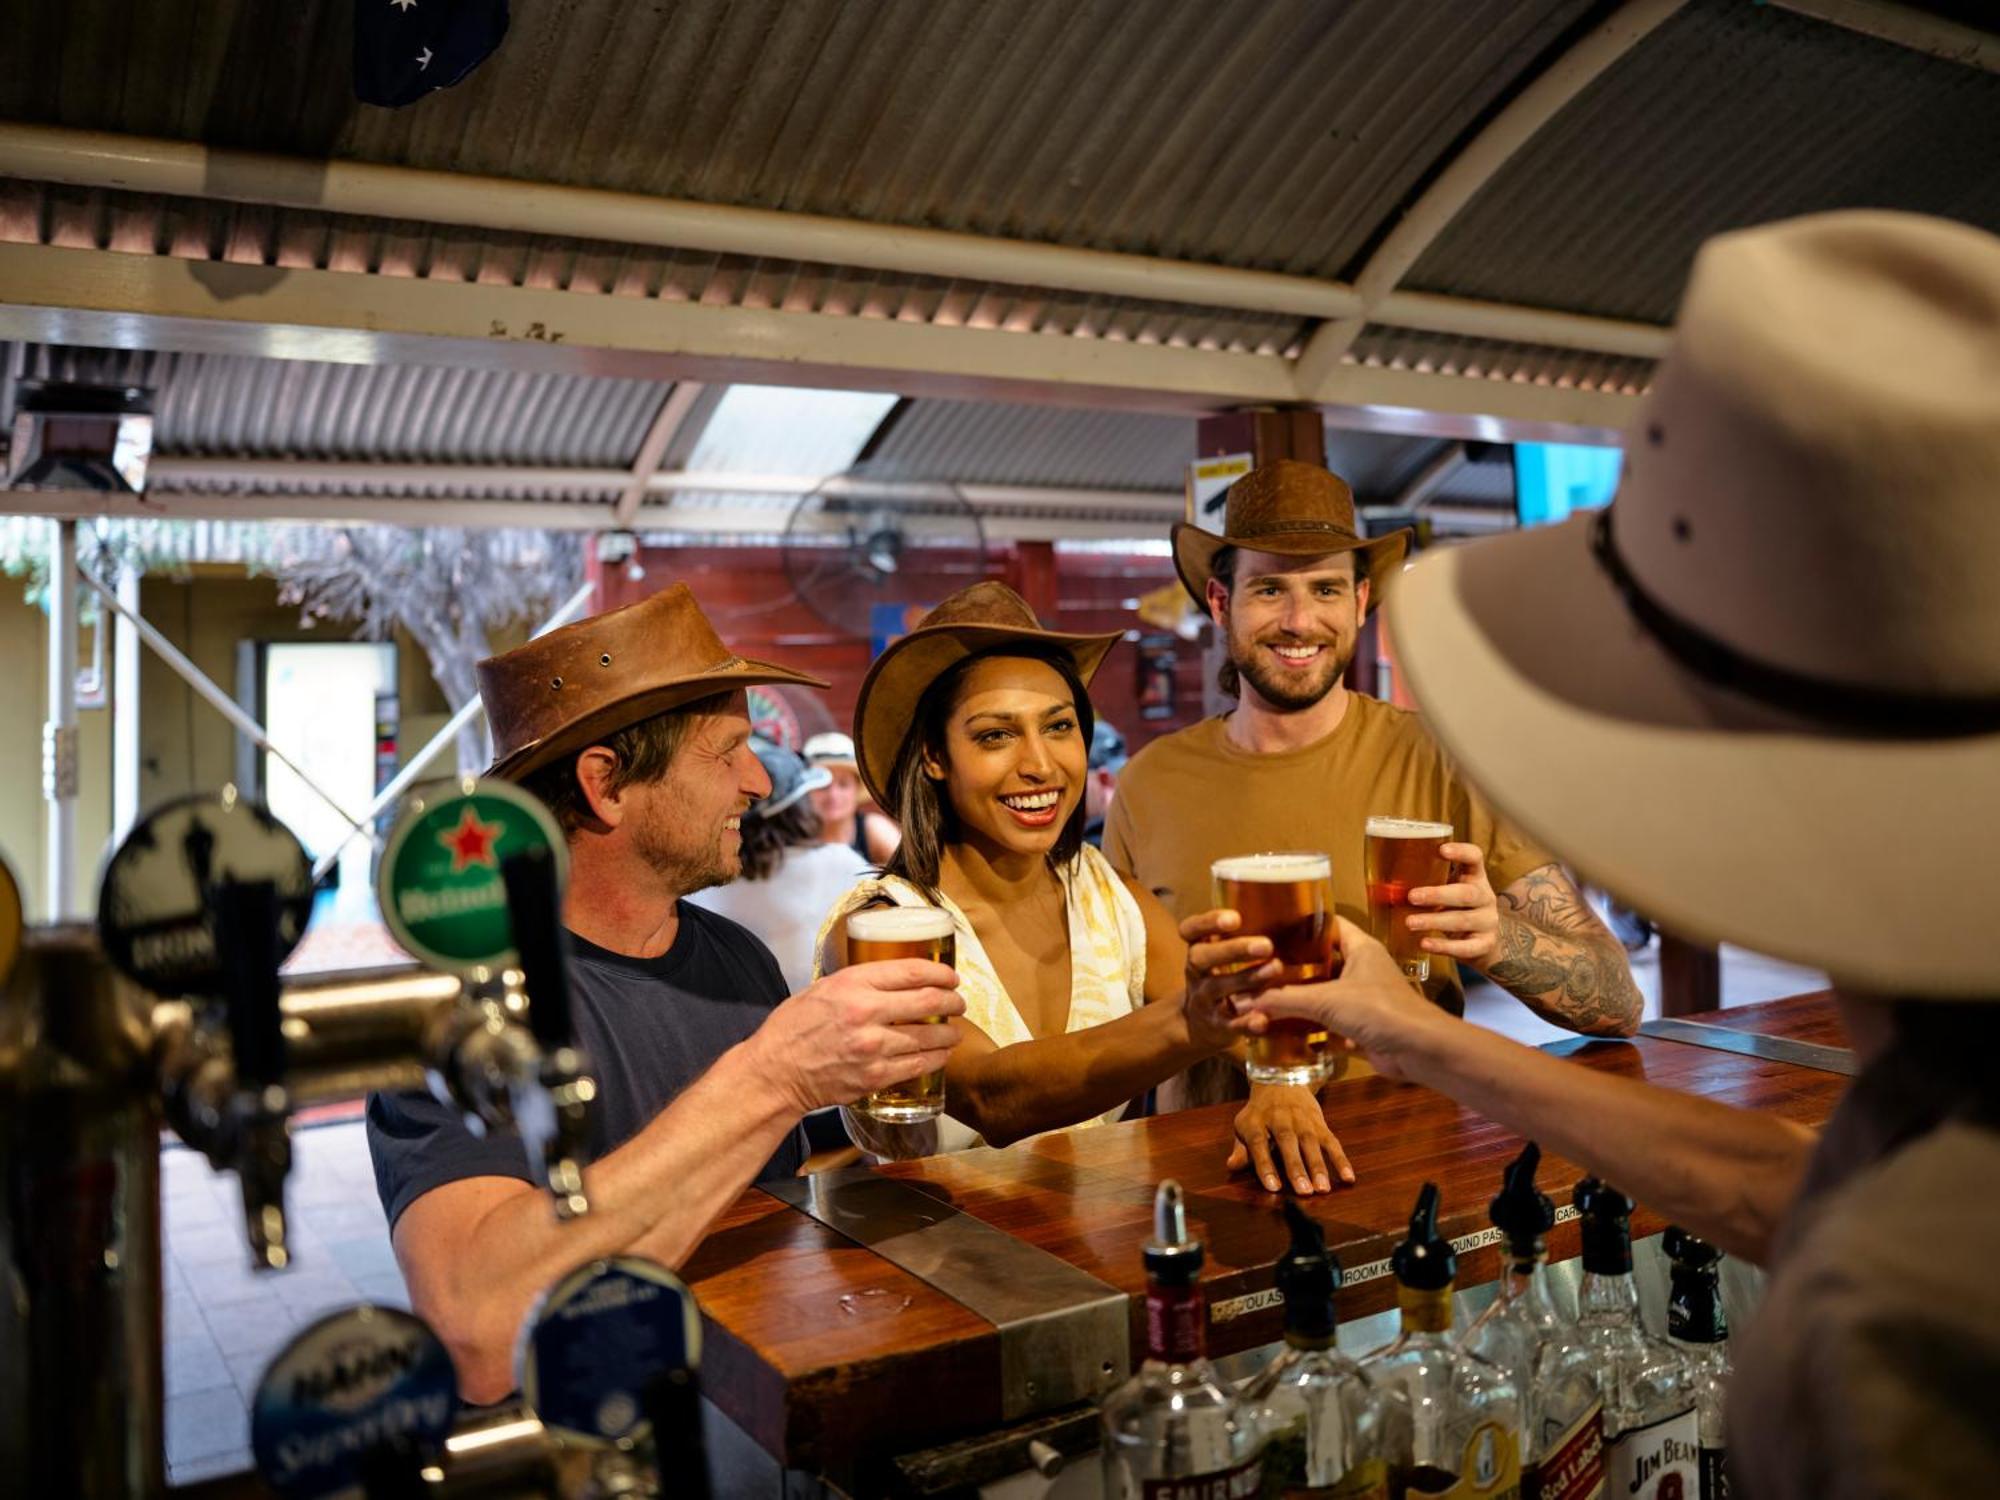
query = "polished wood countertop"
x=824 y=1352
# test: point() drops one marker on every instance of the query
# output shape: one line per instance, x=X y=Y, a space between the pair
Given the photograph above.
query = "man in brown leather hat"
x=1303 y=763
x=634 y=727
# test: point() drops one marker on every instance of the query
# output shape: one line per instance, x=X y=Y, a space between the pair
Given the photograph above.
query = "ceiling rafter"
x=1903 y=26
x=1475 y=165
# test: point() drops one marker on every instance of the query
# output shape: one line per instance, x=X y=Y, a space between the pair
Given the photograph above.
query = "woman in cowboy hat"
x=975 y=729
x=1775 y=664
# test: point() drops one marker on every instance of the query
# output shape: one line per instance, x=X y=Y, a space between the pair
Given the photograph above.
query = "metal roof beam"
x=1481 y=160
x=119 y=163
x=1901 y=26
x=667 y=424
x=104 y=298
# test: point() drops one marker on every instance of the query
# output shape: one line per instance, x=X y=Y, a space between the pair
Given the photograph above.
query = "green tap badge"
x=439 y=881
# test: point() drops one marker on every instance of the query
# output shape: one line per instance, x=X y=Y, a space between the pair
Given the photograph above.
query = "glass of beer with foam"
x=1403 y=854
x=891 y=932
x=1287 y=898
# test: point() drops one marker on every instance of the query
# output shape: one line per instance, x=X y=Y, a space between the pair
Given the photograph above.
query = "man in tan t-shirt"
x=1303 y=763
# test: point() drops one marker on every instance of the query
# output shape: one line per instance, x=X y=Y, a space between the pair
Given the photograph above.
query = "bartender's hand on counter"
x=1210 y=998
x=1288 y=1118
x=1371 y=1007
x=860 y=1029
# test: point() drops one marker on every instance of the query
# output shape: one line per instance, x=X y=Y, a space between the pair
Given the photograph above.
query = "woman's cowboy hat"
x=572 y=687
x=1759 y=697
x=1293 y=508
x=972 y=622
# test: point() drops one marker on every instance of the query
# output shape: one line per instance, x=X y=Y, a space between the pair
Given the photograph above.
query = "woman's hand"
x=1289 y=1117
x=1210 y=999
x=1371 y=1008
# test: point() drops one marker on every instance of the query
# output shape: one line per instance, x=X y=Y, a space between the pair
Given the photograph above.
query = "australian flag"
x=403 y=49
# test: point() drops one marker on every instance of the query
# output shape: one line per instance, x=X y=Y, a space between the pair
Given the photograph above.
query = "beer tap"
x=555 y=1114
x=259 y=1138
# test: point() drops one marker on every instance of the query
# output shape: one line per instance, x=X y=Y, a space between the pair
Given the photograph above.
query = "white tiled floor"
x=225 y=1321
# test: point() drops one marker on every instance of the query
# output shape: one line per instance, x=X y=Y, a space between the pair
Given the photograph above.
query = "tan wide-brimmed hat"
x=974 y=621
x=1759 y=696
x=570 y=688
x=1293 y=508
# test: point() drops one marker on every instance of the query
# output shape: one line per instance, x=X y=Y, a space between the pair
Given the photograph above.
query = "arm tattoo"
x=1559 y=961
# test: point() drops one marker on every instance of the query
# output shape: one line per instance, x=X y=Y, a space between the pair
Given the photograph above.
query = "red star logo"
x=471 y=843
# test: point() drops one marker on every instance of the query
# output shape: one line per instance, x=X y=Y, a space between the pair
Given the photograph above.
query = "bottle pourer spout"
x=1170 y=1216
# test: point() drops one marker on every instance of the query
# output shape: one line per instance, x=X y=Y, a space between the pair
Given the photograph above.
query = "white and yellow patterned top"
x=1107 y=959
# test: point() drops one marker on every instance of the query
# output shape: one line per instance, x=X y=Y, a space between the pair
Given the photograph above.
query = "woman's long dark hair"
x=923 y=806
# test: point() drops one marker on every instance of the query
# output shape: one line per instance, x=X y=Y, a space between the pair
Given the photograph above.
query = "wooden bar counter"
x=829 y=1355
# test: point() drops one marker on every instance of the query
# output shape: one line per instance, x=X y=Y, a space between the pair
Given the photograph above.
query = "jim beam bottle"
x=1465 y=1414
x=1175 y=1430
x=1328 y=1427
x=1650 y=1429
x=1524 y=1333
x=1698 y=1328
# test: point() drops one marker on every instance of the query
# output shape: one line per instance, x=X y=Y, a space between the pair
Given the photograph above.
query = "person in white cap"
x=1773 y=669
x=844 y=819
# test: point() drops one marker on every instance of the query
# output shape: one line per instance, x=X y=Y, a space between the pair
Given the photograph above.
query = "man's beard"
x=1280 y=689
x=685 y=870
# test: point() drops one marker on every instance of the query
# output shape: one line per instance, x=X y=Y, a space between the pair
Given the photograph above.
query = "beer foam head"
x=1275 y=868
x=1407 y=828
x=899 y=924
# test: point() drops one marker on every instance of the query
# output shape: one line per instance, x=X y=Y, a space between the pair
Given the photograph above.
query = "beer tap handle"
x=673 y=1402
x=559 y=1121
x=247 y=946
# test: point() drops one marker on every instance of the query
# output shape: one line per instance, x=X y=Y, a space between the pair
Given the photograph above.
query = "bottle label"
x=1573 y=1466
x=1240 y=1483
x=1714 y=1475
x=1660 y=1461
x=1489 y=1469
x=1174 y=1331
x=1694 y=1309
x=1365 y=1481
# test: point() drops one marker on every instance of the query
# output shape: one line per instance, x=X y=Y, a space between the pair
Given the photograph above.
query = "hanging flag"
x=403 y=49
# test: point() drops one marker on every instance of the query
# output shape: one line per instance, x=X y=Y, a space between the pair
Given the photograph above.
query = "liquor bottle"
x=1698 y=1327
x=1175 y=1430
x=1465 y=1414
x=1650 y=1431
x=1328 y=1428
x=1524 y=1333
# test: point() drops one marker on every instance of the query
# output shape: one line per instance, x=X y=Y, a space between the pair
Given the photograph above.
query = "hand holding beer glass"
x=882 y=934
x=1287 y=898
x=1403 y=855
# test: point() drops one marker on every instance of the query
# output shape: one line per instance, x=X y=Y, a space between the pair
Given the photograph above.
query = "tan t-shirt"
x=1192 y=798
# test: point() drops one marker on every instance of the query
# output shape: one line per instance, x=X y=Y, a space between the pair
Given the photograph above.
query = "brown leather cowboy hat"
x=1759 y=697
x=1292 y=508
x=973 y=621
x=570 y=688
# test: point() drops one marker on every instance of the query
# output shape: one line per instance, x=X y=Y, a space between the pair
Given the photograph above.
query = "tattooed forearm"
x=1558 y=959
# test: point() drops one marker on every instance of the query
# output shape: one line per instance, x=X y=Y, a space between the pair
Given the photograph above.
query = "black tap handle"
x=534 y=908
x=247 y=943
x=673 y=1403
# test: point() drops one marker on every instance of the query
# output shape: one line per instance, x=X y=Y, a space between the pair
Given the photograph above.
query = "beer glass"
x=892 y=932
x=1403 y=854
x=1287 y=898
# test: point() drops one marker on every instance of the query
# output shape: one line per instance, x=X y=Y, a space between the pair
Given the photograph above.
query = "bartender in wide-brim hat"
x=1773 y=667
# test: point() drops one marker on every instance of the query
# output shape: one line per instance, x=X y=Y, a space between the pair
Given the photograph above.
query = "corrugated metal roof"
x=1494 y=359
x=1730 y=114
x=993 y=443
x=1168 y=127
x=234 y=406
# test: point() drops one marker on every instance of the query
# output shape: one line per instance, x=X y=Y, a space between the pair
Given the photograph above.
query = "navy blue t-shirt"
x=651 y=1027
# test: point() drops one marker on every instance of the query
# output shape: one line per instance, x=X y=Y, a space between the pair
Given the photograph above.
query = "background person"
x=1303 y=762
x=639 y=744
x=1079 y=997
x=1107 y=759
x=845 y=817
x=1777 y=655
x=790 y=879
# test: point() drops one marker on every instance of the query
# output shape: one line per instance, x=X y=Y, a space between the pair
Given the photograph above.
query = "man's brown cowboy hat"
x=1292 y=508
x=570 y=688
x=974 y=621
x=1758 y=697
